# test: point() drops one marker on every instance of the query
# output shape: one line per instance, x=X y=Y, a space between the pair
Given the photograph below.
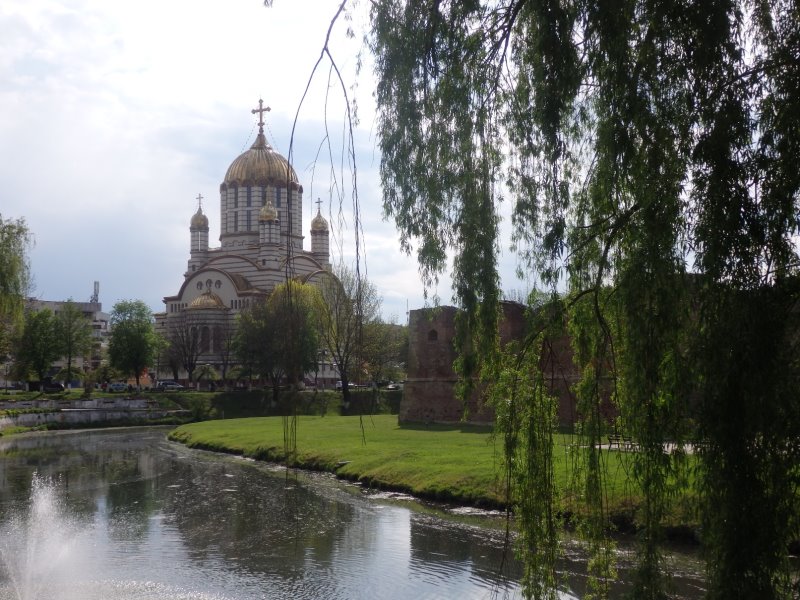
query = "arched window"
x=433 y=335
x=205 y=340
x=217 y=338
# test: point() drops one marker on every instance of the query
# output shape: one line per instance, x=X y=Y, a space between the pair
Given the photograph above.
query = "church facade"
x=261 y=245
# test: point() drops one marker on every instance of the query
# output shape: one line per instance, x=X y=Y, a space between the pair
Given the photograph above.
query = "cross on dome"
x=199 y=220
x=260 y=110
x=318 y=223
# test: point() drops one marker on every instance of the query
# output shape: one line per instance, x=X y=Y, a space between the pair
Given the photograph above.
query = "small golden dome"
x=199 y=220
x=207 y=300
x=260 y=165
x=319 y=223
x=268 y=212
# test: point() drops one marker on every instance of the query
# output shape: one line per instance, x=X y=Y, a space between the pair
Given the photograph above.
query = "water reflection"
x=151 y=519
x=150 y=513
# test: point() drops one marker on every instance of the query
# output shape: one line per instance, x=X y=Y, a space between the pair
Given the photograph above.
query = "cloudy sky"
x=114 y=116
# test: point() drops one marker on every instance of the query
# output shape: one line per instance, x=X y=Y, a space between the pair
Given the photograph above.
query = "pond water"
x=125 y=514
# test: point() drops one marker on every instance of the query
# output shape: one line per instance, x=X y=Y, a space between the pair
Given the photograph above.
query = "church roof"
x=319 y=223
x=207 y=300
x=268 y=212
x=260 y=165
x=199 y=220
x=240 y=281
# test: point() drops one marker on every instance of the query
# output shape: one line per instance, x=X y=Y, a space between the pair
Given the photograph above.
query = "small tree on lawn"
x=38 y=346
x=184 y=341
x=133 y=339
x=74 y=333
x=347 y=302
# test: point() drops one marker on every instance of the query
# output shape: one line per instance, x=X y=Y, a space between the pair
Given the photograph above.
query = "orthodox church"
x=261 y=224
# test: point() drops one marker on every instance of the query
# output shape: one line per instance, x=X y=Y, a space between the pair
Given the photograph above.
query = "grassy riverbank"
x=460 y=464
x=445 y=463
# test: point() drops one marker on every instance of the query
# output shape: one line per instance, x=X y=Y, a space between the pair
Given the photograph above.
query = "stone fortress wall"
x=430 y=391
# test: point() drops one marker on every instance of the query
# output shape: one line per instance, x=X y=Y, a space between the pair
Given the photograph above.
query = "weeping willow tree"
x=15 y=240
x=649 y=151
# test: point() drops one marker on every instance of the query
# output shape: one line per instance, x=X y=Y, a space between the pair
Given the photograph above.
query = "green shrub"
x=369 y=402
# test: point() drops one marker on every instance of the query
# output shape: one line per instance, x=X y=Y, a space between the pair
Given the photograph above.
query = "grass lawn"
x=446 y=463
x=461 y=464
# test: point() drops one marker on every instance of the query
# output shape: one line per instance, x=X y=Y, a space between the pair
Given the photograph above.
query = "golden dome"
x=199 y=220
x=268 y=212
x=319 y=223
x=207 y=300
x=260 y=165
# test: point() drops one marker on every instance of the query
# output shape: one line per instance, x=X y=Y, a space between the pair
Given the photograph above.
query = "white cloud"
x=115 y=115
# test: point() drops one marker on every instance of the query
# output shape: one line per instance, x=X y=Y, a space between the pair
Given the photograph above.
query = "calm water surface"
x=125 y=514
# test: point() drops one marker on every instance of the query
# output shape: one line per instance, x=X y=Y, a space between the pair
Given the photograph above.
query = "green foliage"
x=207 y=372
x=107 y=373
x=199 y=408
x=15 y=240
x=37 y=347
x=277 y=338
x=526 y=416
x=74 y=334
x=444 y=463
x=133 y=340
x=650 y=153
x=347 y=304
x=385 y=350
x=254 y=403
x=749 y=419
x=292 y=306
x=372 y=402
x=182 y=342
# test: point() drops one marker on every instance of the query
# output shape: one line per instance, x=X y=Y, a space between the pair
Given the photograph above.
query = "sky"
x=115 y=116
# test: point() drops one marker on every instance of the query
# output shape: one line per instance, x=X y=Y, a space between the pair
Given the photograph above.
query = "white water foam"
x=44 y=555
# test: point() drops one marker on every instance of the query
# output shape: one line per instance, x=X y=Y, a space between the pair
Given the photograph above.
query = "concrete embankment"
x=33 y=413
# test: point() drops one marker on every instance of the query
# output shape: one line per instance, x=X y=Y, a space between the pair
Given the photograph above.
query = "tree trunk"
x=345 y=392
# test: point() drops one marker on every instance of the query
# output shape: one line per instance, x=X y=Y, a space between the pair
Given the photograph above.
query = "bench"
x=628 y=443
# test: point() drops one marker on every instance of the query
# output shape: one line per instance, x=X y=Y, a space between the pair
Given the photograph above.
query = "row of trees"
x=280 y=339
x=291 y=332
x=46 y=337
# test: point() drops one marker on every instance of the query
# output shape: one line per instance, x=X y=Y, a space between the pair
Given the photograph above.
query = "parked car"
x=52 y=386
x=170 y=386
x=117 y=387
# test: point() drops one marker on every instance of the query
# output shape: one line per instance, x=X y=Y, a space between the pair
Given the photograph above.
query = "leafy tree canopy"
x=73 y=330
x=348 y=302
x=15 y=240
x=37 y=347
x=184 y=340
x=133 y=340
x=385 y=350
x=277 y=338
x=649 y=152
